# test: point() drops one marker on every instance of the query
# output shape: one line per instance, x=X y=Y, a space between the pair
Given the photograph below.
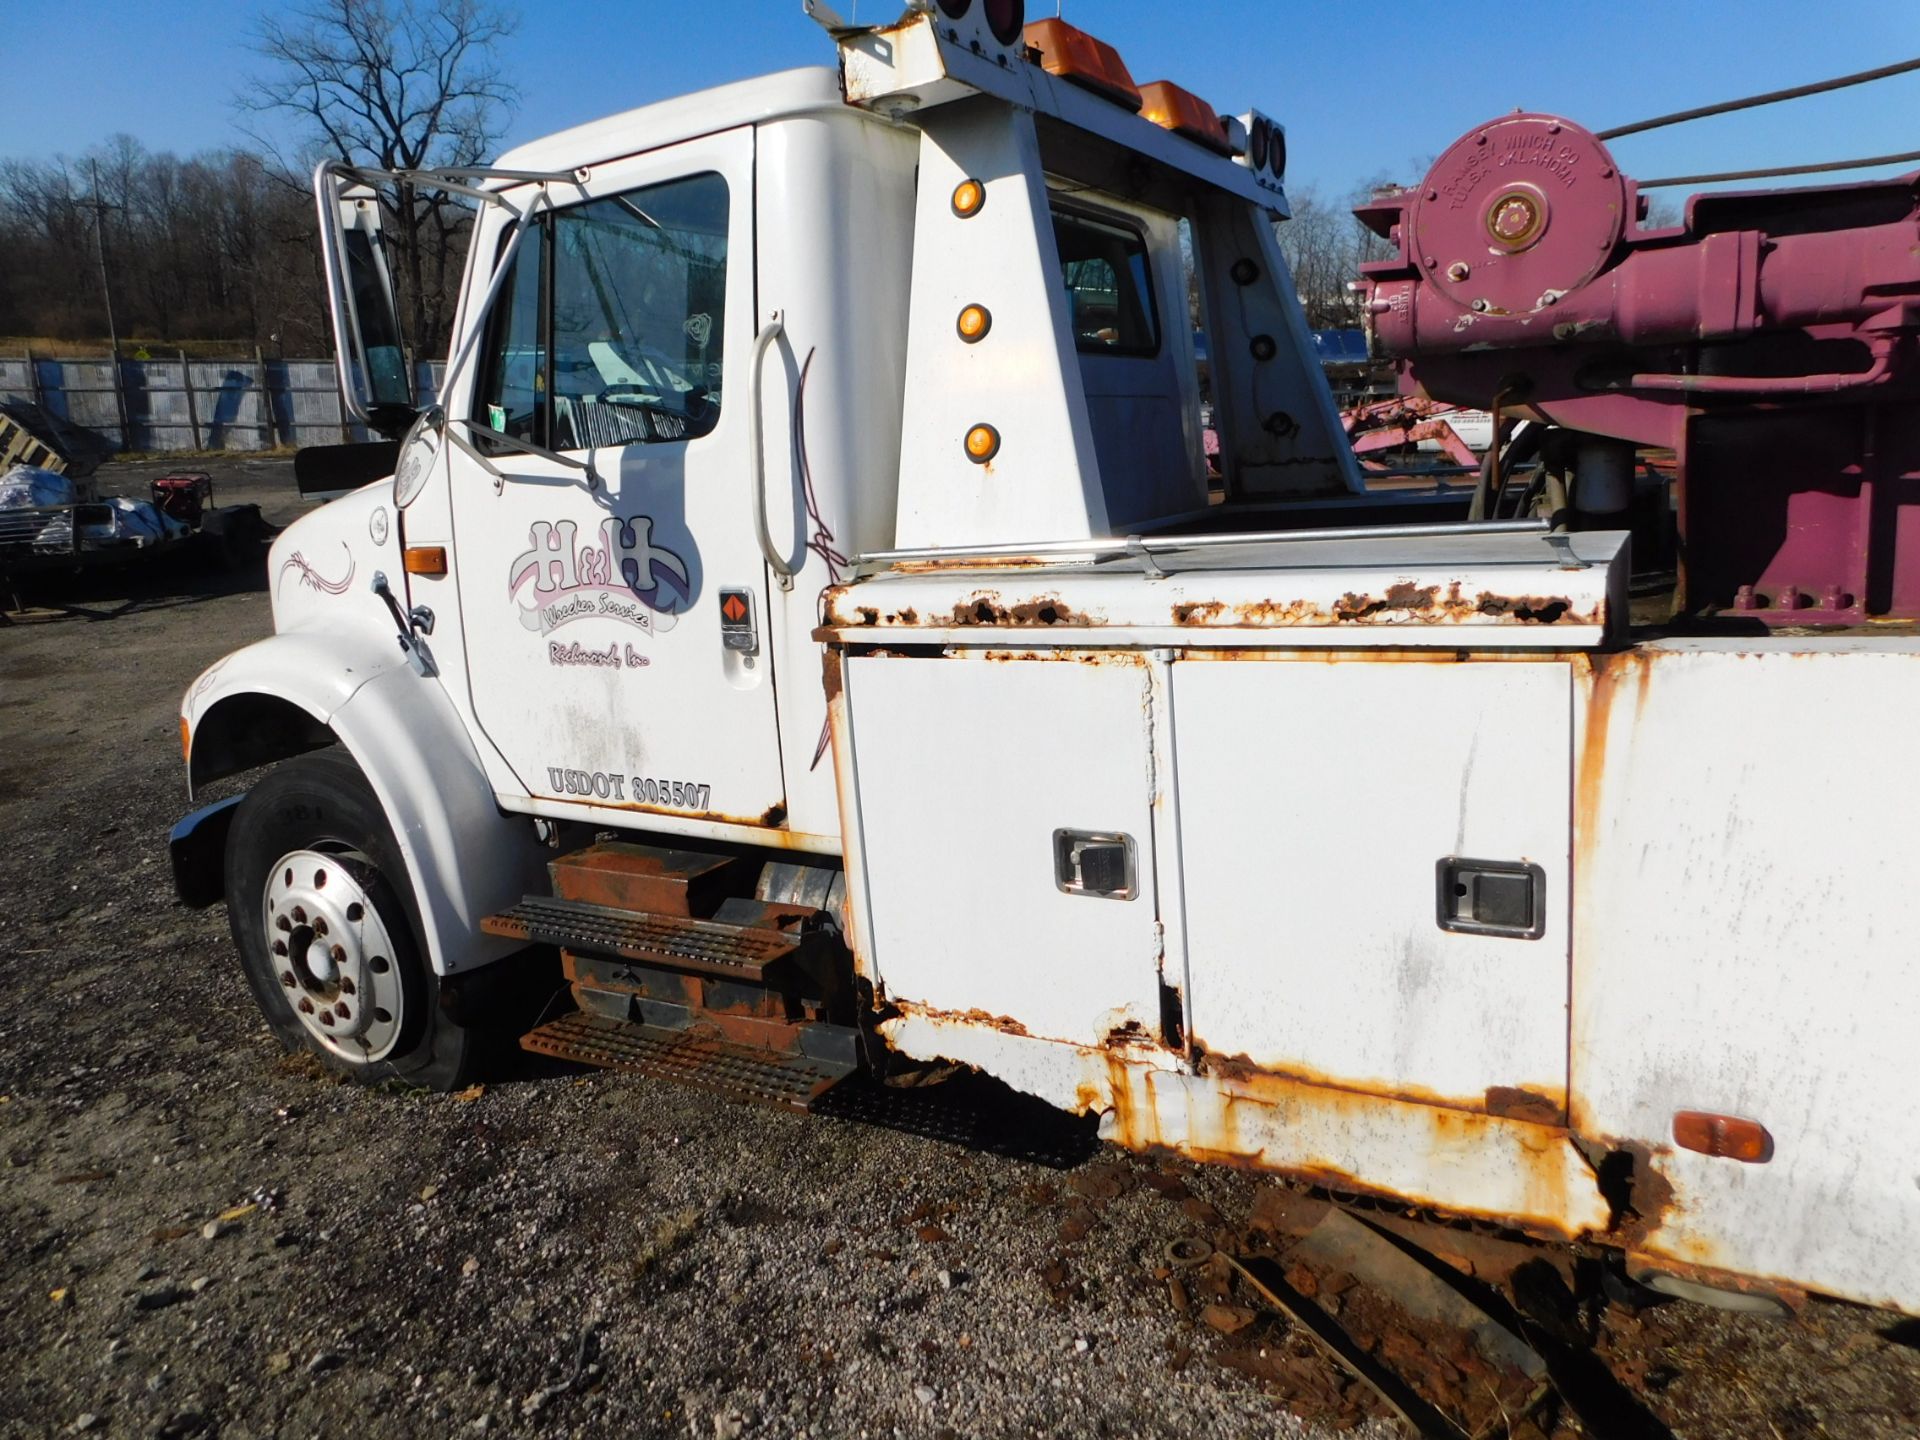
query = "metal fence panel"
x=236 y=404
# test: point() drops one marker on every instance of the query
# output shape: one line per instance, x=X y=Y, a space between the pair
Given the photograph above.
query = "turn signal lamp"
x=425 y=559
x=973 y=324
x=983 y=443
x=1184 y=113
x=968 y=197
x=1077 y=56
x=1725 y=1137
x=186 y=740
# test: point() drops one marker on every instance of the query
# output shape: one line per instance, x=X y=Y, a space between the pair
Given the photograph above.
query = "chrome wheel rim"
x=332 y=955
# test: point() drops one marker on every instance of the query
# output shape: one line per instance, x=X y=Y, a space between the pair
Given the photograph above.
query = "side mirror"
x=375 y=379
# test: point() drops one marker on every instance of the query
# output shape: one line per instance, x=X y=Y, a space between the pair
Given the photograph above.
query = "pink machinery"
x=1769 y=341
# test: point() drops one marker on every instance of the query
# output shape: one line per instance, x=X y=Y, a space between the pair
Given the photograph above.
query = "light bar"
x=1086 y=61
x=1184 y=113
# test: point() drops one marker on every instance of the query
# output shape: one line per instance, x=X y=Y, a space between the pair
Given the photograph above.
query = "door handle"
x=776 y=562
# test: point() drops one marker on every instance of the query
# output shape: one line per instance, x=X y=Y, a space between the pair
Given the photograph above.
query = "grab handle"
x=776 y=562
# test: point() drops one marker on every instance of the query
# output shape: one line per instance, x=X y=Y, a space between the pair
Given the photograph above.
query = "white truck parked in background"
x=1270 y=830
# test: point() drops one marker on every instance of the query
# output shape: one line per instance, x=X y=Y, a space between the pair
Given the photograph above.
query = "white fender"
x=464 y=857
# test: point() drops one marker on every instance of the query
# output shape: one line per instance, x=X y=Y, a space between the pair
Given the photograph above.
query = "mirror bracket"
x=377 y=384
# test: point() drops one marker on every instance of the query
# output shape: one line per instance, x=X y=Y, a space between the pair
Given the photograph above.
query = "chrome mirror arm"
x=451 y=426
x=523 y=221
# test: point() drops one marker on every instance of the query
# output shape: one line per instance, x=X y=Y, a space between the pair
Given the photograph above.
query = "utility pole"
x=100 y=209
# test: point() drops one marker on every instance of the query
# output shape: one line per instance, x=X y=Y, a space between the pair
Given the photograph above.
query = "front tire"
x=329 y=937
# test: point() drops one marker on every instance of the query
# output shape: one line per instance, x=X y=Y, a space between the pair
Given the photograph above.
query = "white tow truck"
x=805 y=610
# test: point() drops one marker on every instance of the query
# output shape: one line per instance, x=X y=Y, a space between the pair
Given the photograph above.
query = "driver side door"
x=594 y=600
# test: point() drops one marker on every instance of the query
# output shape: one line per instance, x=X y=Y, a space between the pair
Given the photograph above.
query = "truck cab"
x=804 y=609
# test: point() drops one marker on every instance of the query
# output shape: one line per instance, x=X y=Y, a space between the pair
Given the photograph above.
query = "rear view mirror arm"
x=330 y=179
x=327 y=193
x=453 y=425
x=523 y=222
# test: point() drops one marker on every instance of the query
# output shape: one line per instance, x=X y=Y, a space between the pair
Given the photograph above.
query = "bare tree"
x=214 y=247
x=1325 y=245
x=396 y=85
x=1662 y=212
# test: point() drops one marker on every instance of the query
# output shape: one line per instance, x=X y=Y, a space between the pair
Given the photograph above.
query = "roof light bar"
x=1085 y=60
x=1184 y=113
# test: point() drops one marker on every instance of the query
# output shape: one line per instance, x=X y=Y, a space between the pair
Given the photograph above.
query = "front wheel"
x=328 y=934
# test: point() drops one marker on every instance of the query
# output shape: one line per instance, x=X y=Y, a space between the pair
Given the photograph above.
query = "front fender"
x=294 y=692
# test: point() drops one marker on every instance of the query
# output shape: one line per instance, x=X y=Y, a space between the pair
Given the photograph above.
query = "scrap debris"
x=1352 y=1313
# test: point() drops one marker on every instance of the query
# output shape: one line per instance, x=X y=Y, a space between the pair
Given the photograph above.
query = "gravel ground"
x=565 y=1253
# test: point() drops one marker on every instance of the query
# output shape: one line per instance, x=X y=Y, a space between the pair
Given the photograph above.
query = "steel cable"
x=1771 y=97
x=1860 y=164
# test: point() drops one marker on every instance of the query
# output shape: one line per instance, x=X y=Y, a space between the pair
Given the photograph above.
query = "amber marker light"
x=186 y=740
x=425 y=559
x=1725 y=1137
x=983 y=443
x=1077 y=56
x=1184 y=113
x=973 y=324
x=968 y=197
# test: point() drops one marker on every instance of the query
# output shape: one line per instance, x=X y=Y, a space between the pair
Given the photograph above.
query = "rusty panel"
x=1316 y=946
x=1531 y=1177
x=1506 y=591
x=1745 y=926
x=650 y=878
x=965 y=773
x=1528 y=1176
x=1398 y=604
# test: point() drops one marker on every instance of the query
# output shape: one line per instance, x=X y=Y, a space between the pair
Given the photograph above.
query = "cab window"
x=513 y=380
x=613 y=330
x=1103 y=266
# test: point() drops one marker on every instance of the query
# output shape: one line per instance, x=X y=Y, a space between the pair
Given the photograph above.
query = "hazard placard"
x=736 y=620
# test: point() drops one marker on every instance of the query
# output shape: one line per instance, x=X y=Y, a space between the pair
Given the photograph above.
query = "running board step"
x=748 y=952
x=767 y=1077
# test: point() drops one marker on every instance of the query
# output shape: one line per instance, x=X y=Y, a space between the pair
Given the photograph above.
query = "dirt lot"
x=567 y=1253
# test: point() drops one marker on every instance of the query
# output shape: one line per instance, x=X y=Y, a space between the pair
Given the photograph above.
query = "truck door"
x=615 y=617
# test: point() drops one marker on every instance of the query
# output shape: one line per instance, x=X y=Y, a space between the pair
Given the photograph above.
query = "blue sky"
x=1362 y=89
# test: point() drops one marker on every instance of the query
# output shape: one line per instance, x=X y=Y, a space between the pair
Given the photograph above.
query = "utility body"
x=807 y=610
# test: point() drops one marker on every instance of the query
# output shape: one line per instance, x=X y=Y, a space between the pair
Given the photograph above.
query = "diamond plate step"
x=711 y=947
x=764 y=1076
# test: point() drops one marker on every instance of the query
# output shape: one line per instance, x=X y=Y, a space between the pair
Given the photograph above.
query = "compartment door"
x=1376 y=858
x=968 y=771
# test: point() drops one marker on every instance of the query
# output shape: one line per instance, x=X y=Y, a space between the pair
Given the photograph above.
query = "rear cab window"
x=1105 y=270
